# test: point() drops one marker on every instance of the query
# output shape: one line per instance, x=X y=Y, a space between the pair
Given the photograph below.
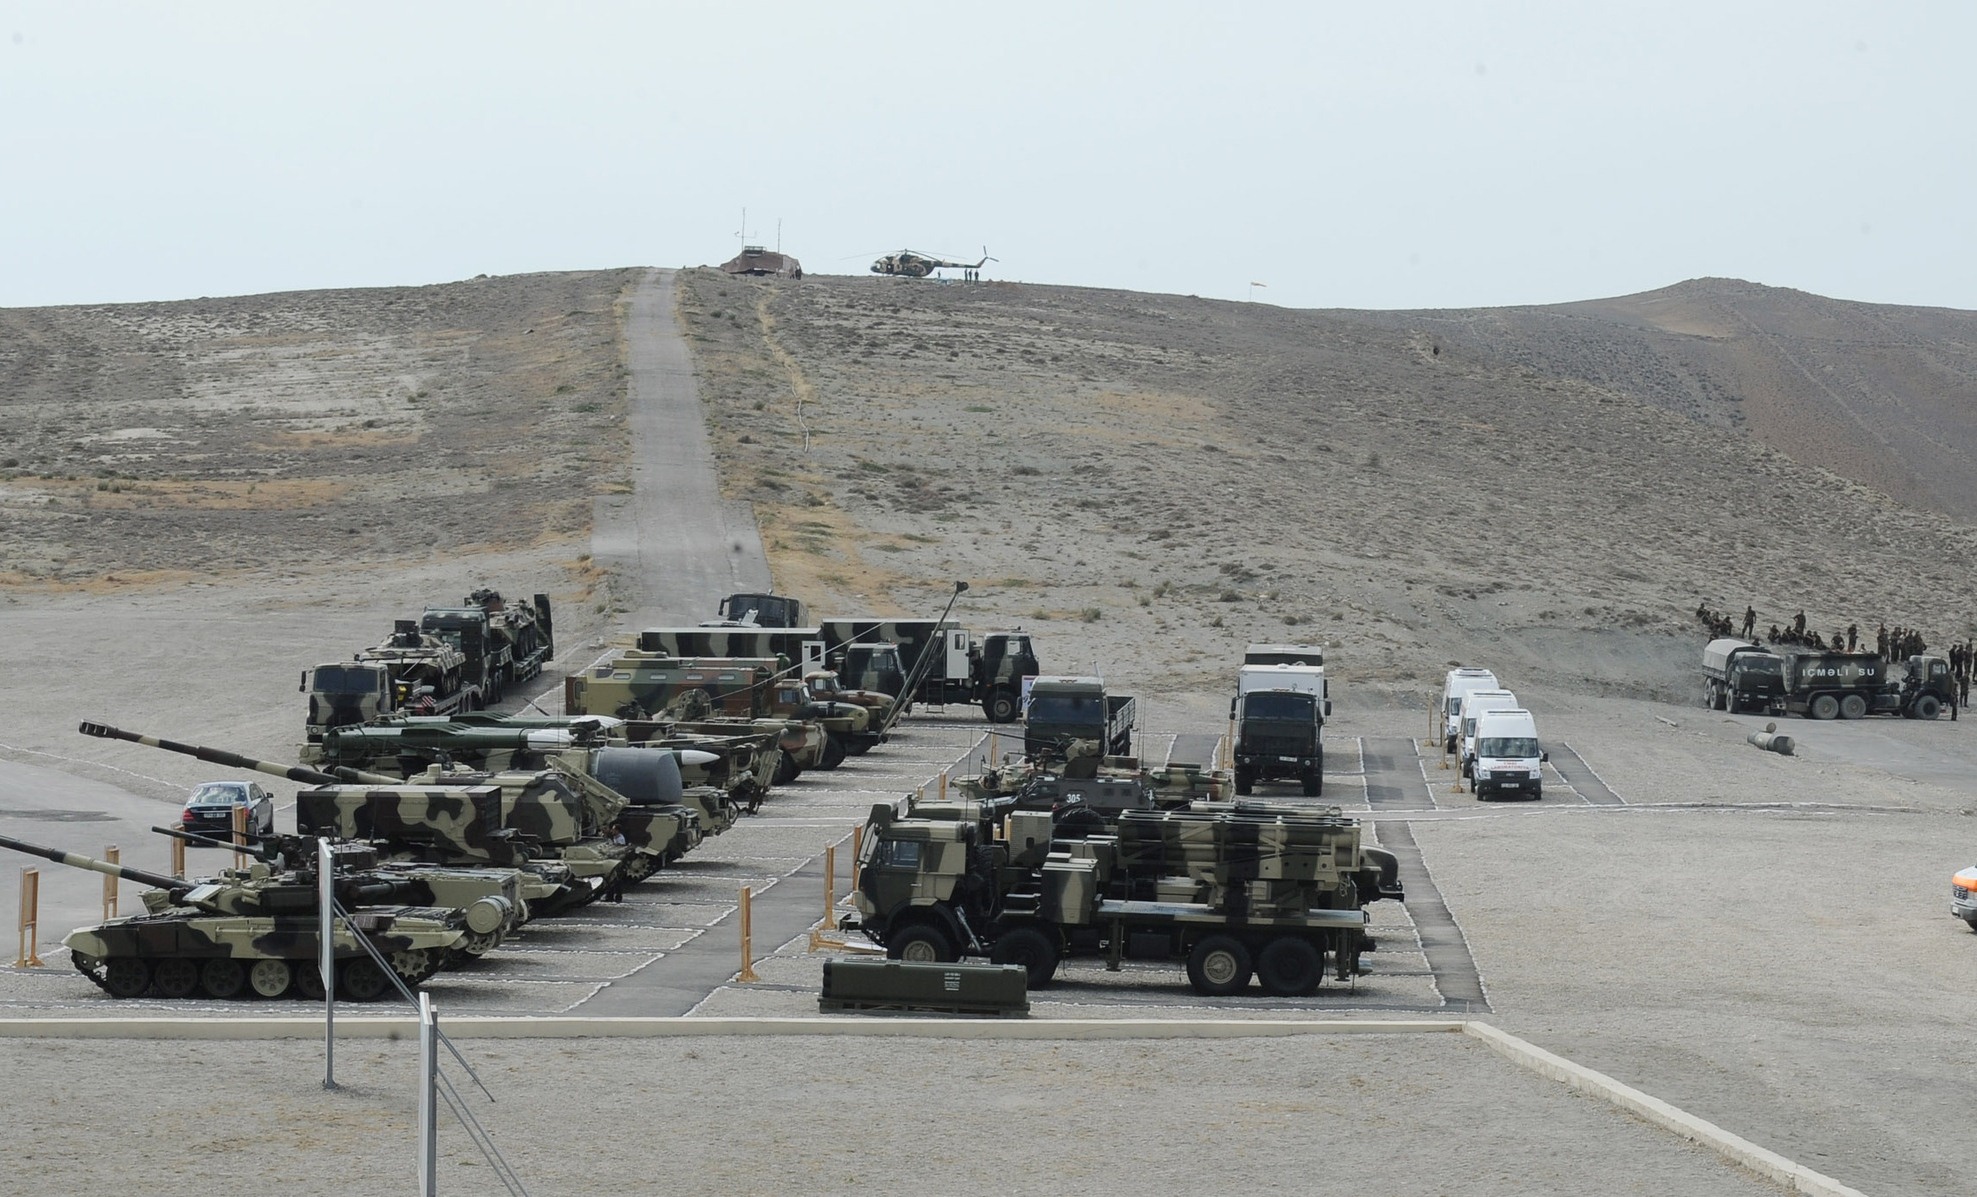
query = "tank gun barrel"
x=234 y=760
x=260 y=852
x=78 y=861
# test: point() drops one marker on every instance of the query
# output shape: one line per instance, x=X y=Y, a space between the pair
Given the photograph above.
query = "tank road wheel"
x=1928 y=707
x=921 y=944
x=1032 y=949
x=222 y=977
x=1289 y=966
x=1002 y=705
x=308 y=981
x=360 y=980
x=176 y=977
x=126 y=977
x=1853 y=706
x=1824 y=707
x=1219 y=966
x=833 y=752
x=270 y=978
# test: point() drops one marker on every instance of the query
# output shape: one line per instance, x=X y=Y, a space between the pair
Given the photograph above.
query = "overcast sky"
x=1345 y=155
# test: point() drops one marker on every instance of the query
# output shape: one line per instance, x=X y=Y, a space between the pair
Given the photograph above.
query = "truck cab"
x=341 y=695
x=1065 y=709
x=763 y=610
x=1279 y=714
x=1508 y=759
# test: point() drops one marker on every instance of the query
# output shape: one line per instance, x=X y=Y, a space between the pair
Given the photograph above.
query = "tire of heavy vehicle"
x=1219 y=966
x=1001 y=705
x=1031 y=948
x=1288 y=966
x=833 y=752
x=1537 y=791
x=1928 y=707
x=860 y=746
x=786 y=768
x=1824 y=707
x=1245 y=782
x=1314 y=783
x=1853 y=706
x=921 y=943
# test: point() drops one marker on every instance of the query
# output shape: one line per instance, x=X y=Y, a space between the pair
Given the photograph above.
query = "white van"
x=1458 y=683
x=1475 y=703
x=1508 y=760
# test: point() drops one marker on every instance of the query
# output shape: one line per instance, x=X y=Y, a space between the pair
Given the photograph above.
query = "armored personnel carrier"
x=257 y=931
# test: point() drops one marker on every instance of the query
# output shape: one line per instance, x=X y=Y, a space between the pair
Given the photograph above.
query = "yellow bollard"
x=111 y=855
x=178 y=857
x=30 y=917
x=830 y=885
x=747 y=972
x=943 y=787
x=239 y=837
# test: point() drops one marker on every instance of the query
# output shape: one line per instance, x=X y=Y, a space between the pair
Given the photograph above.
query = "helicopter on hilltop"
x=908 y=263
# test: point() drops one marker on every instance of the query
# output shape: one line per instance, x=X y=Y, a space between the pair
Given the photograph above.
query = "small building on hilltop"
x=763 y=263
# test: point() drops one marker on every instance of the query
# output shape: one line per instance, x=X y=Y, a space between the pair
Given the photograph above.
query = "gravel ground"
x=1403 y=1115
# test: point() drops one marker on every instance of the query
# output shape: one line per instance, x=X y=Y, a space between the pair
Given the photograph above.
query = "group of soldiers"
x=1895 y=643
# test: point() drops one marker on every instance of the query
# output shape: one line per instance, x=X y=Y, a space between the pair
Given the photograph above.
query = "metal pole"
x=326 y=961
x=428 y=1096
x=830 y=885
x=857 y=853
x=111 y=855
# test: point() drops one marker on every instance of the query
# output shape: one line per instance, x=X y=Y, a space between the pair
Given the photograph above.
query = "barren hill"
x=1179 y=476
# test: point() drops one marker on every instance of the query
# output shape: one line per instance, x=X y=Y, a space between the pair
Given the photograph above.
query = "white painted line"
x=1740 y=1151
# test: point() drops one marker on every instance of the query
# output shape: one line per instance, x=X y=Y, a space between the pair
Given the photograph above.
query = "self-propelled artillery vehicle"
x=258 y=931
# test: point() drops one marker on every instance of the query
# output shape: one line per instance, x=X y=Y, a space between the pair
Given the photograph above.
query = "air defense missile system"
x=454 y=817
x=258 y=931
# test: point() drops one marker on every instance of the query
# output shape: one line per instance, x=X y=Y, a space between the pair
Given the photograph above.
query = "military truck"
x=1284 y=654
x=1740 y=675
x=955 y=667
x=1840 y=685
x=411 y=671
x=1065 y=709
x=1236 y=889
x=803 y=646
x=1279 y=713
x=504 y=644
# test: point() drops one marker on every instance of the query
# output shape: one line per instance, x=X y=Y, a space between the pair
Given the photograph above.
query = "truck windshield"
x=1765 y=664
x=1507 y=746
x=345 y=679
x=1066 y=708
x=1273 y=705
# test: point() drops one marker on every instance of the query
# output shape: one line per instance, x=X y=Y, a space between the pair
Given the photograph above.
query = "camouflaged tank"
x=256 y=931
x=517 y=820
x=709 y=692
x=494 y=898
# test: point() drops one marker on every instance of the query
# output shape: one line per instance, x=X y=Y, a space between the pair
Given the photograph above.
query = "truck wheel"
x=1314 y=784
x=1824 y=707
x=1853 y=706
x=1289 y=966
x=833 y=752
x=786 y=769
x=1219 y=966
x=1245 y=782
x=1928 y=707
x=922 y=944
x=1031 y=948
x=1001 y=705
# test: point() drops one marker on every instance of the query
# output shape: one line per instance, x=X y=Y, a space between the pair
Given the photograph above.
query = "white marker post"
x=428 y=1096
x=326 y=961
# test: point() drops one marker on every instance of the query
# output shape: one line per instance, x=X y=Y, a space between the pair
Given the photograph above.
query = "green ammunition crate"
x=1002 y=990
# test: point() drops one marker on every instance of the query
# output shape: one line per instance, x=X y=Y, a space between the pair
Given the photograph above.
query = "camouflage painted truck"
x=254 y=932
x=463 y=817
x=504 y=643
x=1237 y=890
x=411 y=671
x=1838 y=685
